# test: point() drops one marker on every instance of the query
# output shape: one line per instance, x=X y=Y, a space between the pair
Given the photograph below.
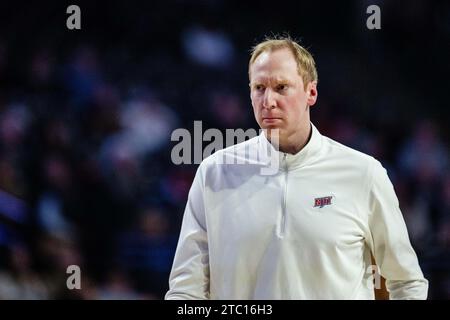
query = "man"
x=305 y=232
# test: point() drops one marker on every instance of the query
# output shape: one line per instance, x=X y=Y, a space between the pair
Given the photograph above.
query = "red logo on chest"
x=323 y=201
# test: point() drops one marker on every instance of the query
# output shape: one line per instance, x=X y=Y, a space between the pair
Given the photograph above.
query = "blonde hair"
x=306 y=67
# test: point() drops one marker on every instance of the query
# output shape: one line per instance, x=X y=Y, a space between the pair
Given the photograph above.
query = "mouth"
x=271 y=119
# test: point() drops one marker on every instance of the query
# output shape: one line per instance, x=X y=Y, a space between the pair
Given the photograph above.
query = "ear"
x=311 y=91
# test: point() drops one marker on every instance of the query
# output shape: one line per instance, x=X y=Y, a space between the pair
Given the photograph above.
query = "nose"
x=269 y=101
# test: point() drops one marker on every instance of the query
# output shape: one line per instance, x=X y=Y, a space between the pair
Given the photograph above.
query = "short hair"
x=306 y=65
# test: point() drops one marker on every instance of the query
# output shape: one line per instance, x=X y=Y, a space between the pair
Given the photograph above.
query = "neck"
x=294 y=142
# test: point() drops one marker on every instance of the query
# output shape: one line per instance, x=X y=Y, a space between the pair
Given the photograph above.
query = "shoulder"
x=229 y=162
x=230 y=154
x=342 y=153
x=363 y=166
x=352 y=164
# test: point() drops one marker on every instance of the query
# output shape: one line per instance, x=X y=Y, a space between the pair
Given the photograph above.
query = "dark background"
x=86 y=116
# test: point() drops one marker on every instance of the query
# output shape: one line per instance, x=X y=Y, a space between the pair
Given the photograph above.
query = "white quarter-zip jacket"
x=306 y=231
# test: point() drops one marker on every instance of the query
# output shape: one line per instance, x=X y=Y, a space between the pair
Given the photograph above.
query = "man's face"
x=278 y=95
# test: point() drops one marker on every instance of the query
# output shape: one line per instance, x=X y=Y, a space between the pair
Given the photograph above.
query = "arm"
x=189 y=278
x=389 y=241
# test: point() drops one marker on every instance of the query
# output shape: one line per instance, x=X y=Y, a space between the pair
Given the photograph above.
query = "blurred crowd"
x=86 y=176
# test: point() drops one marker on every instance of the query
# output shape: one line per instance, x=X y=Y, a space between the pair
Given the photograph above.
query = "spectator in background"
x=145 y=252
x=20 y=281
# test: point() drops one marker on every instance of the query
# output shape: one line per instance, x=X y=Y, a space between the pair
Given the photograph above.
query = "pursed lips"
x=271 y=118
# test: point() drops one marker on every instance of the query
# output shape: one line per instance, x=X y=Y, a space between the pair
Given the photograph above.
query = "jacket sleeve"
x=390 y=242
x=189 y=277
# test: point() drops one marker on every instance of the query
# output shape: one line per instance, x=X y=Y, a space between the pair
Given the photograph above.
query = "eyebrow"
x=277 y=81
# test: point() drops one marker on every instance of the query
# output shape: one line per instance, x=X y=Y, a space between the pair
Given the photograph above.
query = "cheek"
x=256 y=103
x=297 y=102
x=294 y=108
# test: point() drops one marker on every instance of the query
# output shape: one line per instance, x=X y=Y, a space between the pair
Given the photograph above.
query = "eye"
x=282 y=87
x=259 y=87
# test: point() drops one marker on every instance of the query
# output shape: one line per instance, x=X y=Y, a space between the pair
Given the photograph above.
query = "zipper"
x=284 y=206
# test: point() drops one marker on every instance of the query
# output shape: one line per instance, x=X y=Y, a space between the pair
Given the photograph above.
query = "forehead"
x=277 y=64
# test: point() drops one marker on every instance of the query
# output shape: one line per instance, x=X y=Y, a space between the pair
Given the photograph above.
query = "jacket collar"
x=289 y=161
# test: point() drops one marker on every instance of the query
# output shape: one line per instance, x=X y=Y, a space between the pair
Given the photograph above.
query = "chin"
x=273 y=130
x=275 y=125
